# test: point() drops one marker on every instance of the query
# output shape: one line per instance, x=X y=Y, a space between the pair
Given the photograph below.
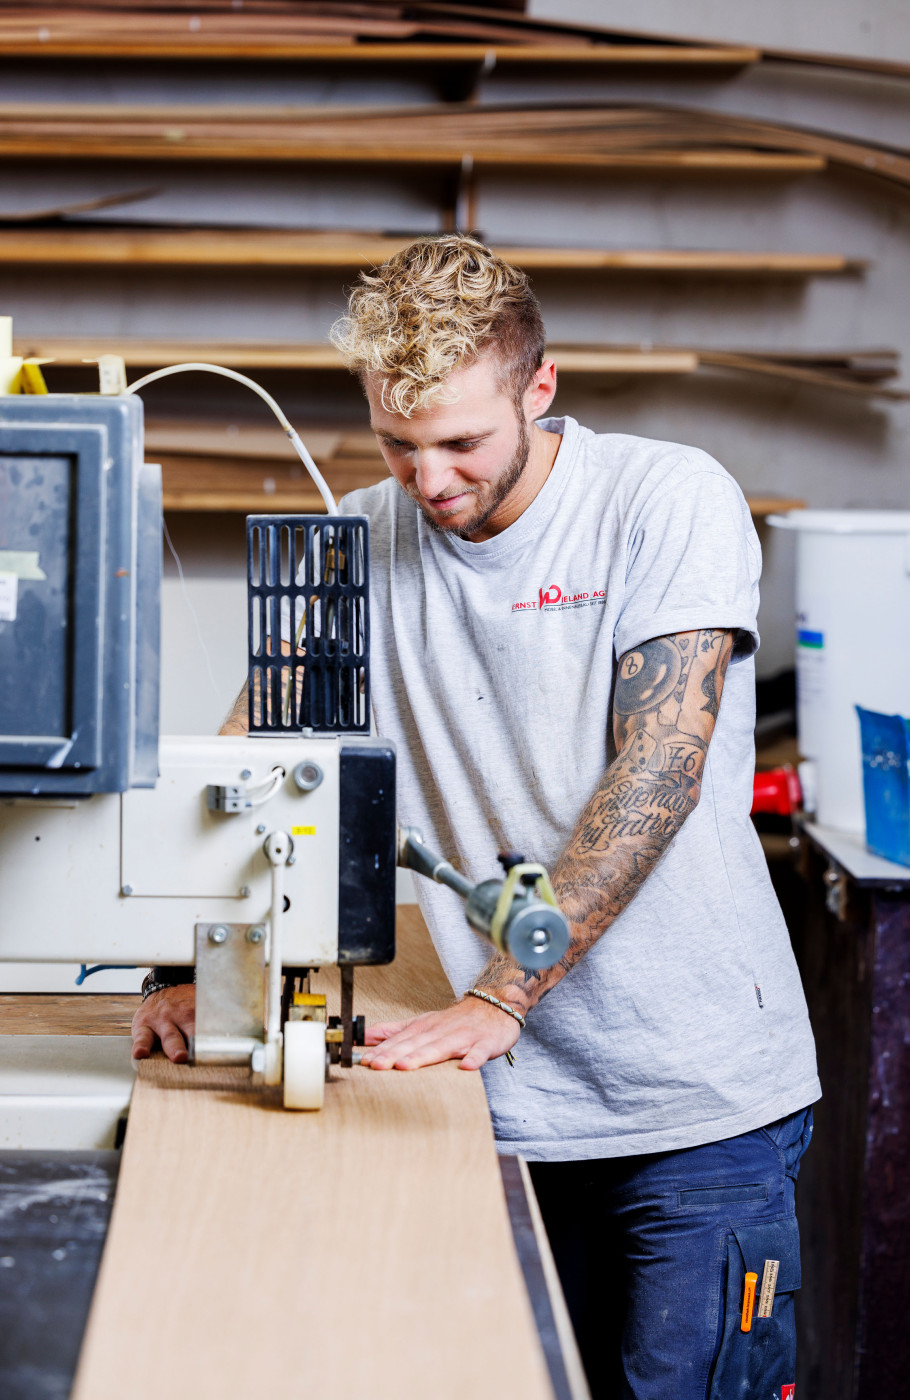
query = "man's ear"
x=541 y=392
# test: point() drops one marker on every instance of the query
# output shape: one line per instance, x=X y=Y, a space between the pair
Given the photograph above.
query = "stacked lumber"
x=382 y=30
x=220 y=466
x=298 y=28
x=594 y=134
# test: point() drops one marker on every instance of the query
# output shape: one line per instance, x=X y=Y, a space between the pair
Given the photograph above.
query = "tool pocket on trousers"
x=761 y=1361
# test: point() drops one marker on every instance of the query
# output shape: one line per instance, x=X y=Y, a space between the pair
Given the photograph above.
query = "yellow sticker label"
x=303 y=831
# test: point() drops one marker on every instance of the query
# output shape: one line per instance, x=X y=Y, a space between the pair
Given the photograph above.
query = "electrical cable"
x=316 y=475
x=277 y=778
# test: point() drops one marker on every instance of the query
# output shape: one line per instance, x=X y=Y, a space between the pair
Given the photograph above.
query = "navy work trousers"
x=653 y=1251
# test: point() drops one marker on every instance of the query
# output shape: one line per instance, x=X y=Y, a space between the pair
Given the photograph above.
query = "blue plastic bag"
x=886 y=783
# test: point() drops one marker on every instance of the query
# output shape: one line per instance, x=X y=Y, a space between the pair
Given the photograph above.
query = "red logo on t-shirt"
x=554 y=597
x=788 y=1392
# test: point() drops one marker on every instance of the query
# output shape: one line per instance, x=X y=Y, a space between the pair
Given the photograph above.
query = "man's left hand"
x=471 y=1031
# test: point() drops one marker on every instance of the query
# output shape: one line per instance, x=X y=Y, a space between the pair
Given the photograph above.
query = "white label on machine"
x=9 y=597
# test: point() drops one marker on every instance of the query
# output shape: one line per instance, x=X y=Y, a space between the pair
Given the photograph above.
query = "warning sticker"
x=9 y=597
x=303 y=831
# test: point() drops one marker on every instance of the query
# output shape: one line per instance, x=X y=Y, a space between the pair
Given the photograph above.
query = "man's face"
x=458 y=461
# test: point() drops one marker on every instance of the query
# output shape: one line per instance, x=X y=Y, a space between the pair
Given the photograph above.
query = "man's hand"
x=168 y=1016
x=471 y=1031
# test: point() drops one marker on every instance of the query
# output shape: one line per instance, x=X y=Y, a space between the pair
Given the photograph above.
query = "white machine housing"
x=123 y=878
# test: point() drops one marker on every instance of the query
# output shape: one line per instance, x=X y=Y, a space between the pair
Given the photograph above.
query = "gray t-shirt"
x=492 y=670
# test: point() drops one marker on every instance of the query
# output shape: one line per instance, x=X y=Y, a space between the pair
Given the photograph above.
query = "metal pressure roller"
x=251 y=860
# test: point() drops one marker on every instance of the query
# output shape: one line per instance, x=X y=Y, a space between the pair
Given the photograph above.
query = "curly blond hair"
x=431 y=309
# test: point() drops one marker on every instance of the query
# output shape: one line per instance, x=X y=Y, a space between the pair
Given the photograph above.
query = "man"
x=563 y=630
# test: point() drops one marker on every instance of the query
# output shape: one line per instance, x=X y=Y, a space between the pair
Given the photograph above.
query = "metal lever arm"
x=277 y=848
x=519 y=914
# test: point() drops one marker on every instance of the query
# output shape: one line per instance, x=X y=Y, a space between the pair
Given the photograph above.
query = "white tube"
x=318 y=479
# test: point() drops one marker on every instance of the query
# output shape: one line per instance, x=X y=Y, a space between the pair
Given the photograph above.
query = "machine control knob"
x=308 y=775
x=537 y=935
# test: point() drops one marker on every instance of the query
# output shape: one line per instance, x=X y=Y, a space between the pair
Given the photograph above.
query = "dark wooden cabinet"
x=849 y=916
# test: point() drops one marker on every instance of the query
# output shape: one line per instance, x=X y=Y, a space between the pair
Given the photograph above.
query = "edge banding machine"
x=247 y=860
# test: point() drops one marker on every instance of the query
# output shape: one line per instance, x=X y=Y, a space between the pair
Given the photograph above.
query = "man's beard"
x=500 y=489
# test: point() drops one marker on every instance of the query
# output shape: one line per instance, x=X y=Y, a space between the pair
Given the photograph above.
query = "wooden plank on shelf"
x=798 y=374
x=605 y=136
x=682 y=260
x=397 y=33
x=577 y=359
x=335 y=49
x=376 y=1228
x=763 y=505
x=36 y=145
x=152 y=353
x=175 y=247
x=591 y=360
x=224 y=483
x=236 y=440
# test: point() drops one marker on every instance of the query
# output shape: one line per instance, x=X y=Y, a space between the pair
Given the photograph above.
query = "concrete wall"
x=873 y=28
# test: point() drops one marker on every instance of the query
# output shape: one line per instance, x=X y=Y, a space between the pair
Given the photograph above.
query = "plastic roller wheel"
x=304 y=1064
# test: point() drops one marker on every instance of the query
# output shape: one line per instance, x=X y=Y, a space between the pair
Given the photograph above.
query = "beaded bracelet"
x=149 y=987
x=494 y=1001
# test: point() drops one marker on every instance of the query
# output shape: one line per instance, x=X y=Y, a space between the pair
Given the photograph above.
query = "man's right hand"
x=168 y=1016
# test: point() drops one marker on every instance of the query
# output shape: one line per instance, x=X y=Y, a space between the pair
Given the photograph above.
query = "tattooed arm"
x=664 y=708
x=237 y=722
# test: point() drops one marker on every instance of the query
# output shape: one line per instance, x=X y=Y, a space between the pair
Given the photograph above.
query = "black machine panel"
x=368 y=853
x=309 y=641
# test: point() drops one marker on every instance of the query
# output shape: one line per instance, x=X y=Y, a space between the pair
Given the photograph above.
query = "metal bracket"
x=347 y=1015
x=230 y=992
x=836 y=890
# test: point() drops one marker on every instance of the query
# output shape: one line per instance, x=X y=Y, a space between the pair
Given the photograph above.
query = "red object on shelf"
x=777 y=790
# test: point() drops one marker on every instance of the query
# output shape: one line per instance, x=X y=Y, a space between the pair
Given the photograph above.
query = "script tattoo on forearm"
x=665 y=704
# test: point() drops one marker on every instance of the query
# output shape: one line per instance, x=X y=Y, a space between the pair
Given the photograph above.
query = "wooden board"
x=66 y=1013
x=230 y=247
x=581 y=359
x=335 y=49
x=364 y=1250
x=277 y=355
x=393 y=32
x=200 y=483
x=761 y=506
